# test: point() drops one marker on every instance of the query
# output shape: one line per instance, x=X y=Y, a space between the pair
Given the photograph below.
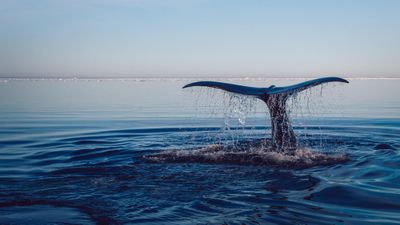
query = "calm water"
x=71 y=153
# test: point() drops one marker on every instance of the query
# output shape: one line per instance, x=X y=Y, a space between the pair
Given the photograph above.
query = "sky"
x=190 y=38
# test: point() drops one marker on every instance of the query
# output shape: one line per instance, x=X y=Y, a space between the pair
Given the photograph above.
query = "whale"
x=282 y=134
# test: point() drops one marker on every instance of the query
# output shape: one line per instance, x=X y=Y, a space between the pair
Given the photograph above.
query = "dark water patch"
x=95 y=155
x=42 y=215
x=384 y=146
x=15 y=142
x=297 y=216
x=363 y=161
x=73 y=142
x=93 y=139
x=221 y=203
x=50 y=145
x=203 y=207
x=65 y=158
x=288 y=182
x=46 y=154
x=92 y=142
x=391 y=183
x=96 y=171
x=48 y=162
x=375 y=174
x=32 y=211
x=394 y=164
x=9 y=131
x=359 y=198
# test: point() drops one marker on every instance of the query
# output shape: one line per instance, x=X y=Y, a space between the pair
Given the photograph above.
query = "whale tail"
x=262 y=92
x=283 y=136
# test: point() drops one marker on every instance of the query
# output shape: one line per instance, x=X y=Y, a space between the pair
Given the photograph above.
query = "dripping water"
x=234 y=145
x=235 y=114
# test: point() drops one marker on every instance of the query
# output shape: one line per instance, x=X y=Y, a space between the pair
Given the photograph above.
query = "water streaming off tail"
x=240 y=115
x=238 y=142
x=310 y=109
x=235 y=114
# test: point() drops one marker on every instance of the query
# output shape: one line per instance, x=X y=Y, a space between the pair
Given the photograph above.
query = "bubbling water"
x=258 y=154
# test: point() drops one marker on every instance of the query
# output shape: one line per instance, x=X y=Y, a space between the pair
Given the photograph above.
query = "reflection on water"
x=73 y=150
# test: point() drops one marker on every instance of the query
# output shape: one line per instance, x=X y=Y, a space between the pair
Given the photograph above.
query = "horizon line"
x=138 y=78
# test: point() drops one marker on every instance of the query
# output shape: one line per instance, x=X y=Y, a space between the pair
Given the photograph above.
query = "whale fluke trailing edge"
x=283 y=136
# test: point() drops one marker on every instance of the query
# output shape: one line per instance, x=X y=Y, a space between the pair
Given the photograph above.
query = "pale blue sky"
x=200 y=37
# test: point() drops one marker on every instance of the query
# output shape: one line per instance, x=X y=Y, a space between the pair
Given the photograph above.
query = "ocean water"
x=71 y=152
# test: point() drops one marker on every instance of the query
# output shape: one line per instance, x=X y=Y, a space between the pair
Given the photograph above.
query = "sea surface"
x=71 y=152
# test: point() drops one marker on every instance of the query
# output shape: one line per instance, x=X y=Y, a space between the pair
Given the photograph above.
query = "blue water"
x=71 y=152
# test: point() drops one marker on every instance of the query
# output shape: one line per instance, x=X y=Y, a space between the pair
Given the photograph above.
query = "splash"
x=282 y=150
x=256 y=154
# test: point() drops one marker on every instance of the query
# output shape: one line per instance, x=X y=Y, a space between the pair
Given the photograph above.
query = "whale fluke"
x=283 y=137
x=260 y=92
x=234 y=88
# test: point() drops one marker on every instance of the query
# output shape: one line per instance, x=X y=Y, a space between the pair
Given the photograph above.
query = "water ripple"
x=98 y=176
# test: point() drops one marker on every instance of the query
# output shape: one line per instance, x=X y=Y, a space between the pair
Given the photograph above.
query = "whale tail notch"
x=283 y=136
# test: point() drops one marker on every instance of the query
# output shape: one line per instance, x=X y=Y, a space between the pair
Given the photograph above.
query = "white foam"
x=259 y=156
